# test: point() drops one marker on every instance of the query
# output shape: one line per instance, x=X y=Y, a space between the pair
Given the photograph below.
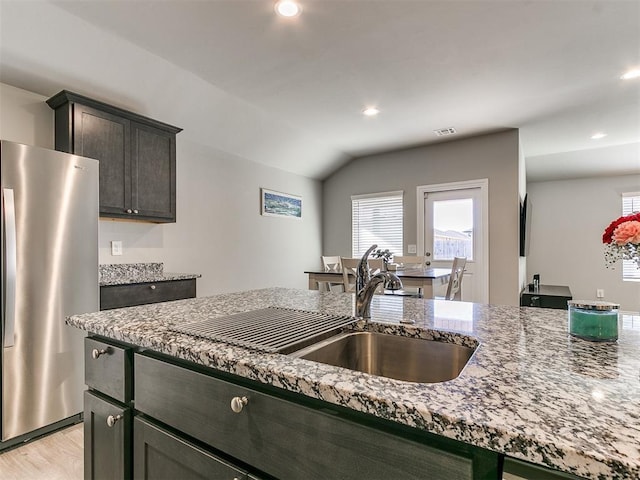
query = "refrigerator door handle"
x=9 y=313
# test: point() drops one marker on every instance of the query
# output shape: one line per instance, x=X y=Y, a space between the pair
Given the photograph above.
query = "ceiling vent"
x=443 y=132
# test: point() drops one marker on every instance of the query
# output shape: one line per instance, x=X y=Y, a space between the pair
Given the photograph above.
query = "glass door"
x=453 y=227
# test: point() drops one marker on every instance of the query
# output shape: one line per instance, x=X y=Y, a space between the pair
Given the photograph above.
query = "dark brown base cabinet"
x=137 y=156
x=180 y=424
x=129 y=295
x=108 y=409
x=161 y=455
x=291 y=440
x=107 y=439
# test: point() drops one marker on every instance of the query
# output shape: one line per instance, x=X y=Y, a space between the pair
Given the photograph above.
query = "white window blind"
x=376 y=219
x=630 y=204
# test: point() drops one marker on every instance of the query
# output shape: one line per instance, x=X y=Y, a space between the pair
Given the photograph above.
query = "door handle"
x=11 y=256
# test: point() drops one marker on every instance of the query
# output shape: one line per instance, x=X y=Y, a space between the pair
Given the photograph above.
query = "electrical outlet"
x=116 y=247
x=600 y=293
x=412 y=248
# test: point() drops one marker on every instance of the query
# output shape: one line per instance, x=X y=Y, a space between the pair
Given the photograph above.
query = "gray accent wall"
x=220 y=232
x=494 y=156
x=568 y=218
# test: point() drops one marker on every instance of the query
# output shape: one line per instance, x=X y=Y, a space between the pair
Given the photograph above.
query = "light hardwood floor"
x=55 y=457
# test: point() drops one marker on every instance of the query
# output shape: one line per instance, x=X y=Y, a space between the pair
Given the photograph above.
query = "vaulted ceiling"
x=289 y=92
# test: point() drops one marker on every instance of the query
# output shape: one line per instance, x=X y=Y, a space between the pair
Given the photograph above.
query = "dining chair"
x=415 y=261
x=455 y=280
x=350 y=268
x=332 y=264
x=408 y=262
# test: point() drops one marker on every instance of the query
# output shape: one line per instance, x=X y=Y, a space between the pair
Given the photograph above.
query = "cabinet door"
x=162 y=455
x=153 y=173
x=106 y=138
x=107 y=439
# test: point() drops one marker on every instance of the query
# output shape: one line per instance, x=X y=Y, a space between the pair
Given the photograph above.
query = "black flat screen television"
x=525 y=224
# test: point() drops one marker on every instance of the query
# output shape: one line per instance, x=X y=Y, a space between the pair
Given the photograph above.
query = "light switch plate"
x=116 y=247
x=412 y=248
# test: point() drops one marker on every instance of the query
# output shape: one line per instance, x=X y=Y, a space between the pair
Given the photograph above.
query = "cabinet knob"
x=111 y=420
x=95 y=353
x=135 y=211
x=238 y=403
x=152 y=287
x=129 y=210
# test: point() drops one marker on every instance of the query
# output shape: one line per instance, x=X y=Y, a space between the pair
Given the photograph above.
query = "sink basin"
x=403 y=358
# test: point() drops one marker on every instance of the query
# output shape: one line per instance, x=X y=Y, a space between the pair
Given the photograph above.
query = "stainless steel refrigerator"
x=49 y=271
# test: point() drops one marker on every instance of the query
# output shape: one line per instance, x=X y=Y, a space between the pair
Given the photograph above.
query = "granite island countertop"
x=128 y=273
x=530 y=390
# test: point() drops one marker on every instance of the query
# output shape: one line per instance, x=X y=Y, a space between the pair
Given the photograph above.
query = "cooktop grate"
x=271 y=330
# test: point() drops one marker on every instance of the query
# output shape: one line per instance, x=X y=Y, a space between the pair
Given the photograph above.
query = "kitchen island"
x=529 y=392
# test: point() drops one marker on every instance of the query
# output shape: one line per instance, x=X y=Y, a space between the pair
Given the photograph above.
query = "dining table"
x=423 y=278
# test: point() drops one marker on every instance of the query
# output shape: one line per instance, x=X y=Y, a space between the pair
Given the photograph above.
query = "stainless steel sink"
x=403 y=358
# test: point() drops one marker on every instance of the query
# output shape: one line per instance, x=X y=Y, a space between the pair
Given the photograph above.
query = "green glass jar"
x=593 y=320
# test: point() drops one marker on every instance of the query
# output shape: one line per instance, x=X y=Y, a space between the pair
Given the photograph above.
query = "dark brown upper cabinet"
x=137 y=156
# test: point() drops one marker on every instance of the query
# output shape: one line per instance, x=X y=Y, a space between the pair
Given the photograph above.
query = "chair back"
x=455 y=280
x=416 y=261
x=376 y=265
x=331 y=263
x=350 y=271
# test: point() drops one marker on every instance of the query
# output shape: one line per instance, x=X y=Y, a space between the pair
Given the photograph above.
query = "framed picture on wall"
x=278 y=204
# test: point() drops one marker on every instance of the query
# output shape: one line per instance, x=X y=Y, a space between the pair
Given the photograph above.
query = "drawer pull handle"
x=238 y=403
x=152 y=287
x=135 y=211
x=111 y=420
x=128 y=210
x=95 y=353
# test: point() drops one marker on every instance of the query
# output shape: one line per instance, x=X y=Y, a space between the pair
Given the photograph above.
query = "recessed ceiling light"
x=288 y=8
x=598 y=136
x=370 y=112
x=635 y=73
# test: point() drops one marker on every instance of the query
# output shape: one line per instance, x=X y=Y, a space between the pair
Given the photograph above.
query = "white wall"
x=568 y=219
x=493 y=156
x=220 y=232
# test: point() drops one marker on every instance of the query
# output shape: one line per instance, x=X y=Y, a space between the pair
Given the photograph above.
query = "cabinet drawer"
x=110 y=372
x=117 y=296
x=282 y=438
x=107 y=439
x=159 y=455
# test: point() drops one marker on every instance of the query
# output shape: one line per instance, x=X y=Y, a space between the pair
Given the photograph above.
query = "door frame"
x=483 y=185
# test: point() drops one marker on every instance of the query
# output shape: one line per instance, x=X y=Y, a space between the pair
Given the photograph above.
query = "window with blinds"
x=376 y=219
x=630 y=204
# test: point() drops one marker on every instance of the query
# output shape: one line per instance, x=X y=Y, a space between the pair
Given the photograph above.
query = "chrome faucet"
x=366 y=285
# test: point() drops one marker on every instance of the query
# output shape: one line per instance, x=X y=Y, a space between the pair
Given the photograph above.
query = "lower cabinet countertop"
x=530 y=391
x=132 y=273
x=165 y=277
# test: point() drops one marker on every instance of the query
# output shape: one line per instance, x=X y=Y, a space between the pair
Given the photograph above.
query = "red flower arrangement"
x=622 y=239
